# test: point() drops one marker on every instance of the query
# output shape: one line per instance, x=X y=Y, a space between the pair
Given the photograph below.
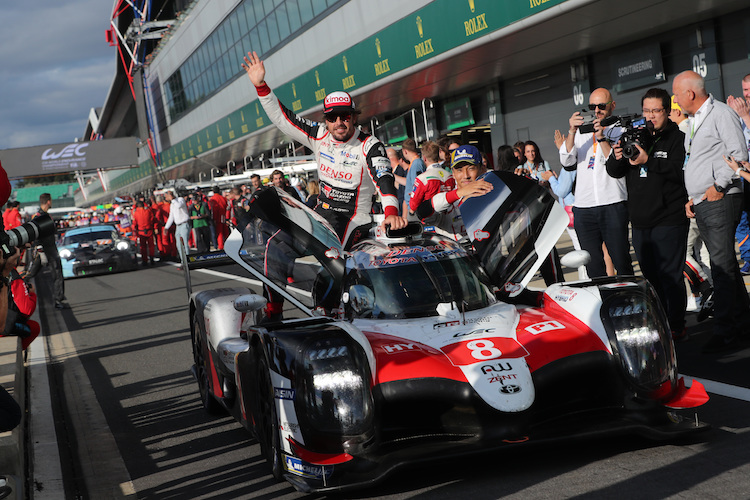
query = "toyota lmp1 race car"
x=95 y=249
x=410 y=346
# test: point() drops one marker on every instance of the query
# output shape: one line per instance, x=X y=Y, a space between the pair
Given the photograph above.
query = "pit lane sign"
x=70 y=157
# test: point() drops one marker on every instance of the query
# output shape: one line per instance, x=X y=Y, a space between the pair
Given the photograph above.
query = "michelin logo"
x=300 y=468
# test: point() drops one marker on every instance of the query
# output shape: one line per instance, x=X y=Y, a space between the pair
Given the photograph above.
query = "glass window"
x=292 y=14
x=319 y=6
x=240 y=53
x=281 y=20
x=263 y=34
x=259 y=14
x=305 y=11
x=273 y=29
x=254 y=42
x=236 y=31
x=247 y=7
x=268 y=5
x=331 y=2
x=220 y=39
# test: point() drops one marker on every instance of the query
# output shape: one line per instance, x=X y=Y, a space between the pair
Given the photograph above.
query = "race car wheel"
x=267 y=422
x=202 y=370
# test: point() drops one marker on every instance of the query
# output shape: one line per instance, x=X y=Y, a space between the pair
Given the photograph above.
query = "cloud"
x=57 y=65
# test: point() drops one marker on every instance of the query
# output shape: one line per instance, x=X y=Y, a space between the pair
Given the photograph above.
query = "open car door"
x=513 y=228
x=291 y=249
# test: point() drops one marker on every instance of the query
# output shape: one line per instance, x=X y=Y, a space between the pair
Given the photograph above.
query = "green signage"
x=436 y=28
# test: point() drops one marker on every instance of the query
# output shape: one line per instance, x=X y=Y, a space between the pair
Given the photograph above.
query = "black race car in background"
x=95 y=249
x=410 y=346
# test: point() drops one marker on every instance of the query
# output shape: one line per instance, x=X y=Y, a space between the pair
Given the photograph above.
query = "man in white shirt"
x=600 y=212
x=178 y=215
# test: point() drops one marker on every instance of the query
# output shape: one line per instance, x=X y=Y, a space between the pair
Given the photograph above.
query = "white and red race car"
x=411 y=346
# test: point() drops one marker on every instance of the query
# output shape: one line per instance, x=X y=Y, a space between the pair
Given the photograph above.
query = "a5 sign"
x=468 y=352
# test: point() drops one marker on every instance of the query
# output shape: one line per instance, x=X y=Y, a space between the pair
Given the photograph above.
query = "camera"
x=637 y=132
x=588 y=121
x=25 y=233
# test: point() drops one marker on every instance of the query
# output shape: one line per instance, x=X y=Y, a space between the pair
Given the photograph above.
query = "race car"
x=95 y=249
x=410 y=346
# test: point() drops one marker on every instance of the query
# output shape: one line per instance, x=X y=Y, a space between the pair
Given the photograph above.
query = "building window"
x=259 y=25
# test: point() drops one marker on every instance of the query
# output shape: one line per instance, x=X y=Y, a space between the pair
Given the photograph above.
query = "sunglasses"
x=601 y=105
x=345 y=117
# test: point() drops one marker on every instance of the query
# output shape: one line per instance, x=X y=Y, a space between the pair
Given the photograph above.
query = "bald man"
x=715 y=201
x=600 y=212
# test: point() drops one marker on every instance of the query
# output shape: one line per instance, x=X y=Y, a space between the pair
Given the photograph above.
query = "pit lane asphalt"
x=138 y=430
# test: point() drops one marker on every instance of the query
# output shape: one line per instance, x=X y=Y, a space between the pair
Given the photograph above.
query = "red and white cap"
x=339 y=102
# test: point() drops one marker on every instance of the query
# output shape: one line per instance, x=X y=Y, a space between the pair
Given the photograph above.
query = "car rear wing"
x=199 y=261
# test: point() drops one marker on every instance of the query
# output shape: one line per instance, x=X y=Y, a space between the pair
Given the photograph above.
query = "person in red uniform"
x=218 y=205
x=22 y=303
x=143 y=227
x=12 y=216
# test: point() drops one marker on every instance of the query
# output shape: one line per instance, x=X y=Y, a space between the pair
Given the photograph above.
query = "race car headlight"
x=122 y=245
x=65 y=253
x=641 y=340
x=335 y=386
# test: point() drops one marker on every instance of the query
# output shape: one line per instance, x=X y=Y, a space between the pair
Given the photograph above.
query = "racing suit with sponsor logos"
x=350 y=173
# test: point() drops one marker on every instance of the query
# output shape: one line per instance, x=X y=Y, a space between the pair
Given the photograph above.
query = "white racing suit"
x=350 y=173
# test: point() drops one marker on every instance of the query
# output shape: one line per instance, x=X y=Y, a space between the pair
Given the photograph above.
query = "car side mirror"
x=575 y=259
x=249 y=303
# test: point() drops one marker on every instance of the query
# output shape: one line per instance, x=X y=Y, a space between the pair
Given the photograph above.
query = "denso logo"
x=335 y=174
x=67 y=152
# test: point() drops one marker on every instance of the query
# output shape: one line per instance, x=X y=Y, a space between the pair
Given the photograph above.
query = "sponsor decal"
x=304 y=469
x=327 y=157
x=510 y=389
x=292 y=427
x=480 y=235
x=544 y=326
x=332 y=173
x=347 y=154
x=475 y=332
x=397 y=348
x=96 y=261
x=501 y=378
x=565 y=295
x=282 y=393
x=496 y=367
x=446 y=324
x=483 y=319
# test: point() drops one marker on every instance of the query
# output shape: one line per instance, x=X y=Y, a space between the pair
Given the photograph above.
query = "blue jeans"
x=742 y=234
x=182 y=236
x=717 y=221
x=608 y=224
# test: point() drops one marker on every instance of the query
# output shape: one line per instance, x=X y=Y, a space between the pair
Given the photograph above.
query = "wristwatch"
x=601 y=140
x=720 y=189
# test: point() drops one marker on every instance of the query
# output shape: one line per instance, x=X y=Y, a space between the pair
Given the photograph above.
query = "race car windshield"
x=412 y=286
x=74 y=239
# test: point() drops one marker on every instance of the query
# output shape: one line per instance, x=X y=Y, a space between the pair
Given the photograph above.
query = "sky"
x=55 y=65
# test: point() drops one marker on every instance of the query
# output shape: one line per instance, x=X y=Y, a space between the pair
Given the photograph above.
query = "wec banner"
x=70 y=157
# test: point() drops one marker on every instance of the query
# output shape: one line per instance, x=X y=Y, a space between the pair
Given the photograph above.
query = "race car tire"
x=266 y=420
x=202 y=370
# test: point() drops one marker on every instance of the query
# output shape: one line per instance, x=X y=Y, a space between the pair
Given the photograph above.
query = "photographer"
x=53 y=258
x=656 y=202
x=599 y=211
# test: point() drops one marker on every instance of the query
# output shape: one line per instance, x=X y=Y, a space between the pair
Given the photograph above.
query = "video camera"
x=637 y=132
x=25 y=233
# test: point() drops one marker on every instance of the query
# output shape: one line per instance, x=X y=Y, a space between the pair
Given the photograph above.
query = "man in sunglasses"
x=352 y=165
x=600 y=211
